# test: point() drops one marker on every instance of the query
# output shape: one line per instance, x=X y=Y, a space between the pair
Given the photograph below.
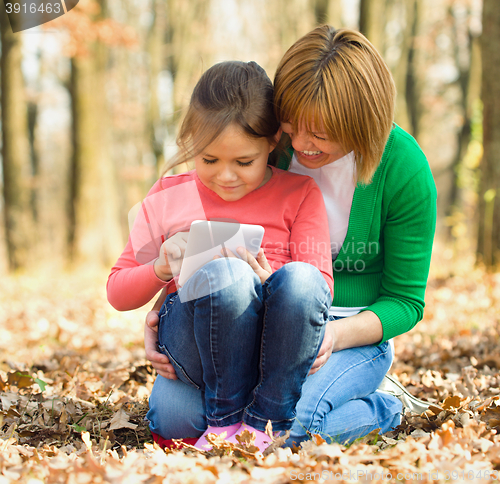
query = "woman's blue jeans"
x=241 y=351
x=340 y=401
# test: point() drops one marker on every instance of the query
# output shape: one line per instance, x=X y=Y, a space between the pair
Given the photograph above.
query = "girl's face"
x=313 y=148
x=234 y=164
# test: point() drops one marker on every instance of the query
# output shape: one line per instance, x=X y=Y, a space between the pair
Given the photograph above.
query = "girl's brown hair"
x=231 y=92
x=337 y=80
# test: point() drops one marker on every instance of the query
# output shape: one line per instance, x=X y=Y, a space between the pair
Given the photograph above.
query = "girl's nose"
x=226 y=174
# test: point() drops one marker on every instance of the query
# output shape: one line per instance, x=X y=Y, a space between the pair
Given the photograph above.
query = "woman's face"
x=313 y=148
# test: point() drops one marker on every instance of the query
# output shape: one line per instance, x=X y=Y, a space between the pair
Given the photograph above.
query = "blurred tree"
x=414 y=72
x=16 y=163
x=372 y=16
x=488 y=244
x=328 y=12
x=405 y=19
x=467 y=59
x=187 y=31
x=188 y=52
x=155 y=46
x=95 y=236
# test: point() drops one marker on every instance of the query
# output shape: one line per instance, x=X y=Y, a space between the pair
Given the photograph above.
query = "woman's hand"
x=326 y=349
x=159 y=361
x=259 y=264
x=169 y=261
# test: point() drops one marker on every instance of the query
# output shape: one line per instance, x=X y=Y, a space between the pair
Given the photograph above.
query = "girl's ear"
x=276 y=140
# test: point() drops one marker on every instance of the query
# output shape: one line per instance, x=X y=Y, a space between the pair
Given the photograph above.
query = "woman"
x=335 y=97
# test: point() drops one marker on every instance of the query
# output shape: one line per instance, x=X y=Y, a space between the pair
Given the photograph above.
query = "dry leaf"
x=121 y=420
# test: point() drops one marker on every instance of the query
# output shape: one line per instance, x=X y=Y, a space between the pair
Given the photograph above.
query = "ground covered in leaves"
x=74 y=385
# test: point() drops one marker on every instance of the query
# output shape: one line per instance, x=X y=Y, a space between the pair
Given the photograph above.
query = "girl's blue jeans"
x=243 y=353
x=244 y=348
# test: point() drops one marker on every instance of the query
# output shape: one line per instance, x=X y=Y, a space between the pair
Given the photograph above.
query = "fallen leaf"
x=121 y=420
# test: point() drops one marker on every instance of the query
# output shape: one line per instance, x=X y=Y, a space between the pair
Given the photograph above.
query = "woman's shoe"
x=392 y=387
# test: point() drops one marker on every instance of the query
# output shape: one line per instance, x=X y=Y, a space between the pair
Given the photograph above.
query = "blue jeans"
x=241 y=353
x=340 y=401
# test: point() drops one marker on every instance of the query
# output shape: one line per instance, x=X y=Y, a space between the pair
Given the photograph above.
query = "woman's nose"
x=301 y=140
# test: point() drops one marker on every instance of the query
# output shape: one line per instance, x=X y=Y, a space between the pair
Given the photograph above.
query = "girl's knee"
x=232 y=275
x=297 y=273
x=300 y=281
x=229 y=275
x=176 y=410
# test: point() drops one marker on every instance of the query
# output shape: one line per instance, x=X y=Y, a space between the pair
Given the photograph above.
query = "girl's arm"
x=309 y=236
x=131 y=285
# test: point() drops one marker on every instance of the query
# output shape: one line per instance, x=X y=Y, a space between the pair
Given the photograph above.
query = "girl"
x=239 y=352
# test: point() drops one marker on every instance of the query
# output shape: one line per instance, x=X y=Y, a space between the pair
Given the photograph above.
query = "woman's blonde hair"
x=231 y=92
x=337 y=80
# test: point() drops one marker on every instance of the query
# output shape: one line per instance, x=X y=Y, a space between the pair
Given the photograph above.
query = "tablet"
x=206 y=239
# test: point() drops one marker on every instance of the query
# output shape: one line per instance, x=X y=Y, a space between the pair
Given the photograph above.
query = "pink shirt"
x=290 y=207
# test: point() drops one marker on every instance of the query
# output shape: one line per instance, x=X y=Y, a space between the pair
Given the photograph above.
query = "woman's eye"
x=209 y=162
x=319 y=137
x=247 y=163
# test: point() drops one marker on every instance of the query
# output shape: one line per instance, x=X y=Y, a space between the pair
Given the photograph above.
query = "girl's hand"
x=159 y=361
x=326 y=349
x=169 y=261
x=259 y=265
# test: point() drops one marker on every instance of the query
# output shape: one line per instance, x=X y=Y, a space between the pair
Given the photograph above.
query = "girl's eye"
x=248 y=163
x=209 y=162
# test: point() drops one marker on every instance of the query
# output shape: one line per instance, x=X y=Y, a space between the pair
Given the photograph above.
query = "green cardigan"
x=384 y=261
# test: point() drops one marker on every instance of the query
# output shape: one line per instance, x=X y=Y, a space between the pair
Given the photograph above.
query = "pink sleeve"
x=133 y=282
x=130 y=284
x=310 y=237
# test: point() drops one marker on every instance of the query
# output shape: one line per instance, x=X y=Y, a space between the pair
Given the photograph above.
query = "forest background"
x=90 y=103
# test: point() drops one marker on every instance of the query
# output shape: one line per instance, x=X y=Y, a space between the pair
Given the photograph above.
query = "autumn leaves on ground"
x=74 y=385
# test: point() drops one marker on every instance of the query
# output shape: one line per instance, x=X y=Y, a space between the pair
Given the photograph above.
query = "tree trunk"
x=488 y=247
x=467 y=56
x=19 y=224
x=95 y=236
x=328 y=12
x=188 y=53
x=156 y=129
x=400 y=69
x=372 y=14
x=414 y=74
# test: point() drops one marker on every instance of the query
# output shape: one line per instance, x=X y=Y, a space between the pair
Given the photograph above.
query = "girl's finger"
x=248 y=257
x=227 y=253
x=262 y=260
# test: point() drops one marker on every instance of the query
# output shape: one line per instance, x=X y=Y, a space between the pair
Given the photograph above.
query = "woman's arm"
x=359 y=330
x=159 y=361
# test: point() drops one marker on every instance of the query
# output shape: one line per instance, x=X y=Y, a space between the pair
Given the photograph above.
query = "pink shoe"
x=262 y=440
x=202 y=443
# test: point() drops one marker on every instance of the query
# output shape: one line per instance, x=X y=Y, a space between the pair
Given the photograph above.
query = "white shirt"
x=336 y=182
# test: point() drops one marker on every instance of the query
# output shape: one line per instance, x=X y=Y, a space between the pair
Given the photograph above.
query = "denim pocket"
x=179 y=371
x=383 y=349
x=167 y=305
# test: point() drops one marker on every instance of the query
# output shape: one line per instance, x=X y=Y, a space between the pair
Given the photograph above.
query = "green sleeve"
x=407 y=240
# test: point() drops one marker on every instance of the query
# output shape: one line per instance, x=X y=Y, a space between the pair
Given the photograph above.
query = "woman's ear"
x=276 y=140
